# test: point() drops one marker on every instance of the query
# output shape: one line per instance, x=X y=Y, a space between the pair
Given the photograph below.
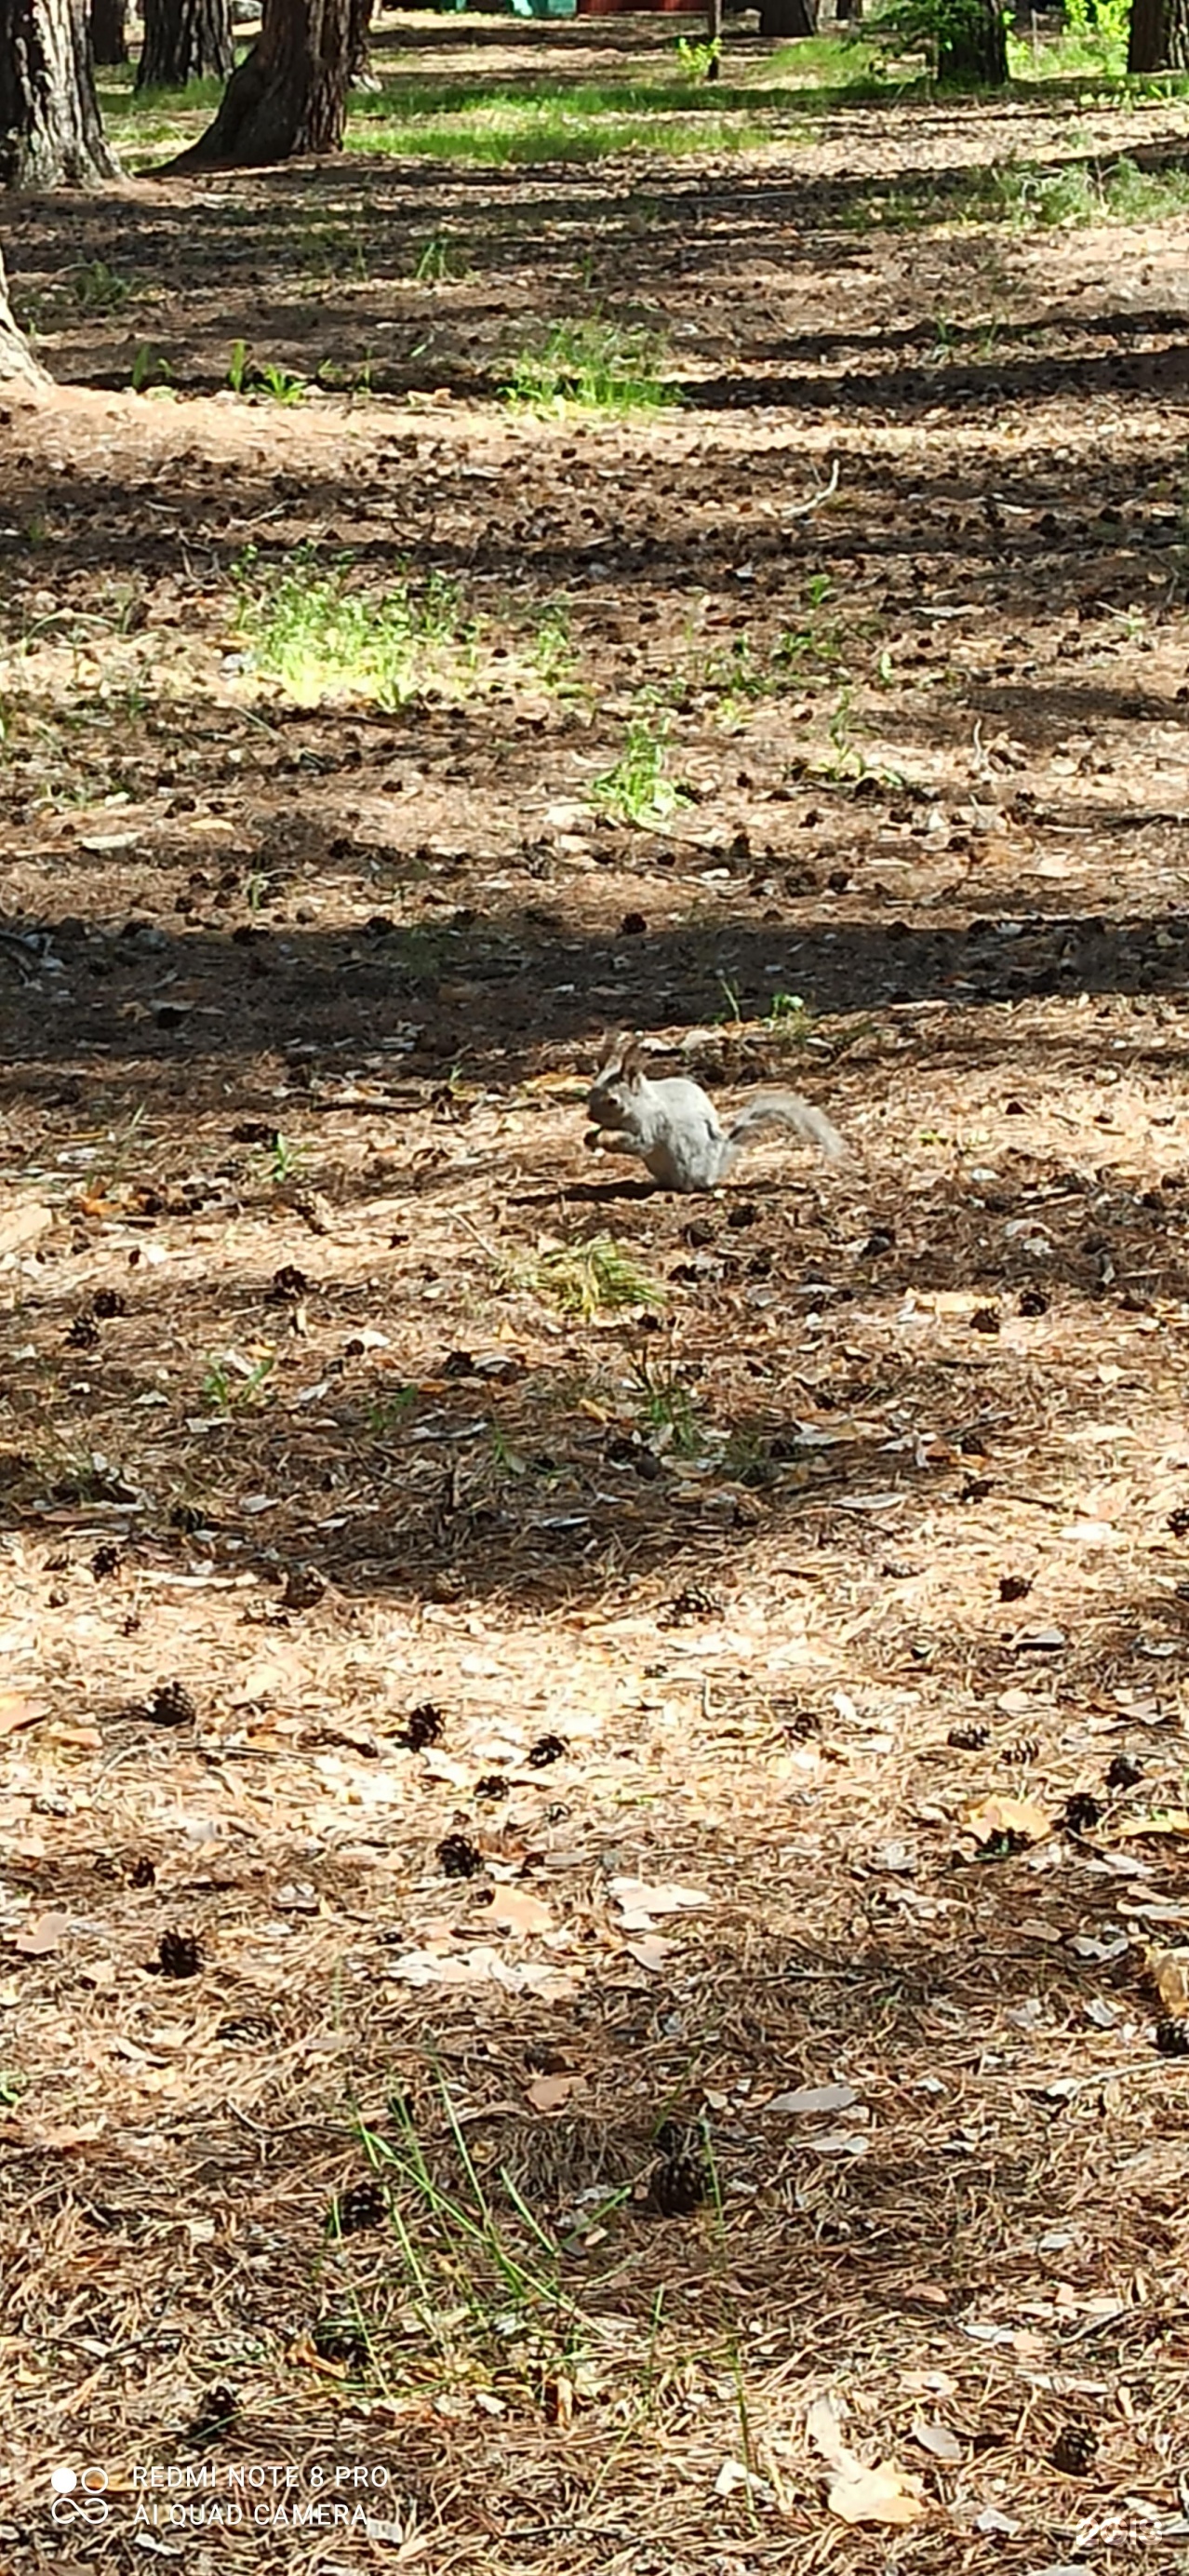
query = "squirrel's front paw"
x=593 y=1139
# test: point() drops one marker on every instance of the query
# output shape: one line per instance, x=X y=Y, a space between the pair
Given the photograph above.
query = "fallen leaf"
x=42 y=1935
x=17 y=1711
x=1165 y=1820
x=1008 y=1816
x=638 y=1902
x=734 y=2475
x=20 y=1225
x=814 y=2097
x=1169 y=1972
x=550 y=2092
x=938 y=2439
x=516 y=1909
x=824 y=2429
x=885 y=2494
x=53 y=2141
x=650 y=1952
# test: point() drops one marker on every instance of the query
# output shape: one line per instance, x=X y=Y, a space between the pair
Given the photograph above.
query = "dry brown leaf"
x=17 y=1711
x=1009 y=1816
x=1169 y=1972
x=34 y=2133
x=20 y=1225
x=551 y=2092
x=638 y=1901
x=650 y=1952
x=886 y=2494
x=1166 y=1820
x=516 y=1909
x=43 y=1934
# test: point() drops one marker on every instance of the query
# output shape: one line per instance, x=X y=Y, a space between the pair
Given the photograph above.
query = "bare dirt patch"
x=413 y=2093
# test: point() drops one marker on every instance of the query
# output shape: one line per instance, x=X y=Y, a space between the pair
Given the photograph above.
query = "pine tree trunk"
x=50 y=133
x=358 y=41
x=288 y=97
x=788 y=17
x=974 y=52
x=17 y=362
x=109 y=31
x=185 y=40
x=1158 y=36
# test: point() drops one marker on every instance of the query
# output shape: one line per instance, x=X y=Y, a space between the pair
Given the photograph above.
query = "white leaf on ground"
x=813 y=2097
x=938 y=2439
x=733 y=2475
x=823 y=2427
x=638 y=1902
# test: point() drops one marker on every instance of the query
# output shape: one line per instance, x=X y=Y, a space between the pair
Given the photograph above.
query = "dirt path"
x=340 y=2040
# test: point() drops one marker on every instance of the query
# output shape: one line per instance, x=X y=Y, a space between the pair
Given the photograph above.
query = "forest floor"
x=594 y=1784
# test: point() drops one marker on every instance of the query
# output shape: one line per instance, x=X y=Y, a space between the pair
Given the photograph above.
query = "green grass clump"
x=592 y=366
x=1085 y=193
x=309 y=629
x=587 y=1279
x=639 y=789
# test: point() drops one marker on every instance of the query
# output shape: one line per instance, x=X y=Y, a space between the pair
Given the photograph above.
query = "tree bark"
x=788 y=17
x=288 y=97
x=973 y=51
x=1158 y=36
x=713 y=36
x=50 y=131
x=109 y=31
x=359 y=41
x=17 y=362
x=184 y=41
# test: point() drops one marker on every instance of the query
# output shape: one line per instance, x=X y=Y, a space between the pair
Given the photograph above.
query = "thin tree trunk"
x=1158 y=36
x=288 y=97
x=974 y=49
x=788 y=17
x=17 y=362
x=359 y=41
x=185 y=40
x=109 y=31
x=50 y=131
x=713 y=35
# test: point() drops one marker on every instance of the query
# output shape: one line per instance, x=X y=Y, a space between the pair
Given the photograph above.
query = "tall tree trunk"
x=713 y=35
x=50 y=133
x=788 y=17
x=289 y=96
x=1158 y=36
x=109 y=32
x=358 y=41
x=185 y=40
x=973 y=50
x=17 y=362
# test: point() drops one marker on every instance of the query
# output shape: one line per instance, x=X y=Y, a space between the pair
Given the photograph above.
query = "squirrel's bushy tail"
x=786 y=1109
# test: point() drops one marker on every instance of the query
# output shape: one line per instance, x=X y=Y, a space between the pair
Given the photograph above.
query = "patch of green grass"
x=1088 y=193
x=308 y=627
x=593 y=365
x=638 y=789
x=587 y=1279
x=565 y=121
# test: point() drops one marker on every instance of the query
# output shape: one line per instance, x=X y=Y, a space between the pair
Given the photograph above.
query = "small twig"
x=826 y=491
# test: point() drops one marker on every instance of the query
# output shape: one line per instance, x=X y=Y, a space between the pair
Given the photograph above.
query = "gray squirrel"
x=674 y=1127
